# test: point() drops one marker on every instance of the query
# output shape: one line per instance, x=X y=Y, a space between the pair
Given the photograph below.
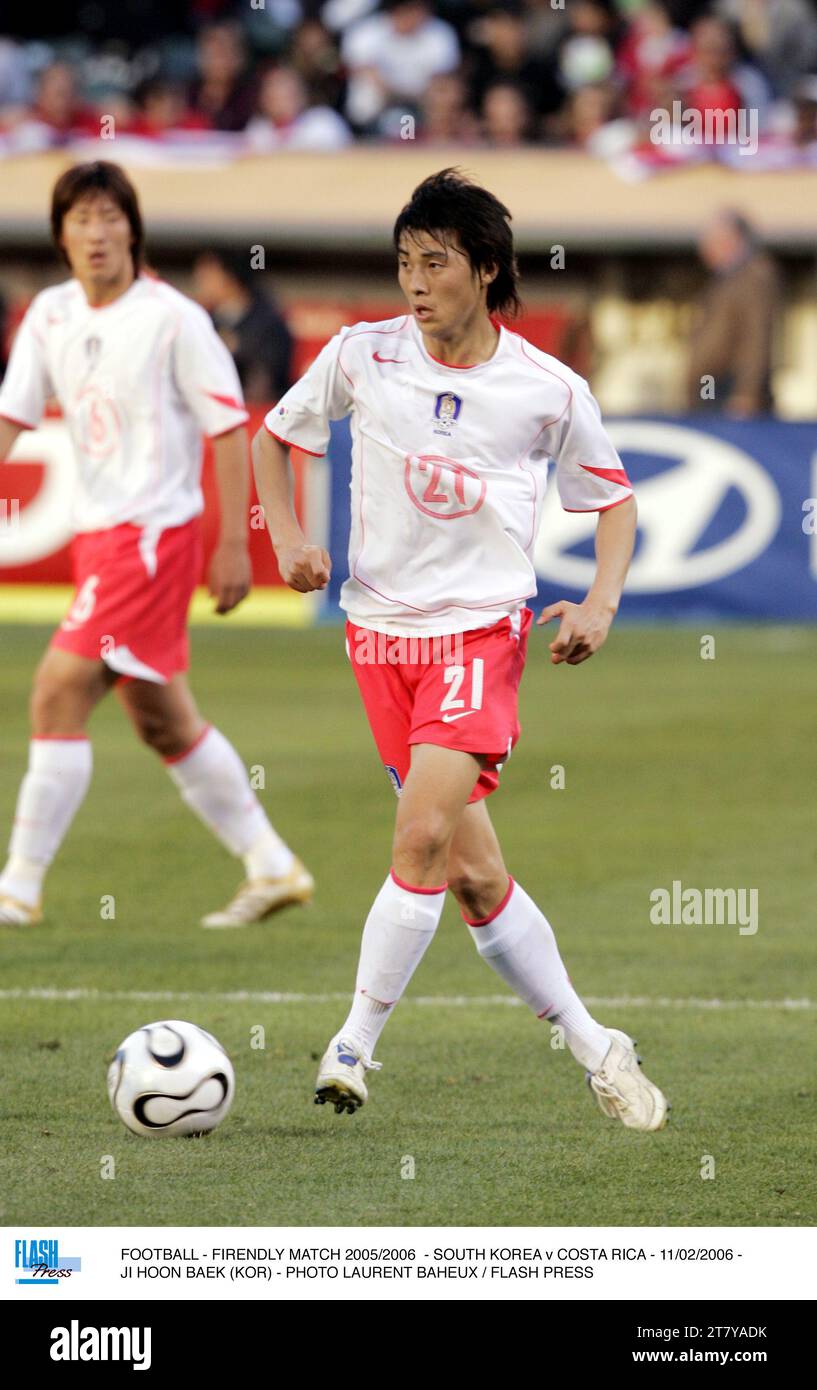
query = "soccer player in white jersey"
x=140 y=375
x=454 y=419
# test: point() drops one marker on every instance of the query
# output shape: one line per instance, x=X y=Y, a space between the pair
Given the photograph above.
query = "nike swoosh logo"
x=449 y=718
x=399 y=361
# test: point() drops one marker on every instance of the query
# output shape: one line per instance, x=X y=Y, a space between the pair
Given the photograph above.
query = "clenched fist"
x=305 y=567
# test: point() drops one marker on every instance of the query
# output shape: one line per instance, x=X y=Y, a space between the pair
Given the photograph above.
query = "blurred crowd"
x=264 y=75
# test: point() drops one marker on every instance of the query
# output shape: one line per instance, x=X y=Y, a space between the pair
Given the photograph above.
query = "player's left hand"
x=230 y=576
x=583 y=629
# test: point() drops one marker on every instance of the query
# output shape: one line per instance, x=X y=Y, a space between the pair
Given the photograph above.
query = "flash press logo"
x=75 y=1343
x=40 y=1262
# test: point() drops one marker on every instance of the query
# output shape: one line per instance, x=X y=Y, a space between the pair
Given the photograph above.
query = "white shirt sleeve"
x=26 y=386
x=589 y=473
x=301 y=417
x=206 y=375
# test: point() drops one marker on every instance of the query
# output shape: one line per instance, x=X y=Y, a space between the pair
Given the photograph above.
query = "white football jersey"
x=449 y=469
x=139 y=381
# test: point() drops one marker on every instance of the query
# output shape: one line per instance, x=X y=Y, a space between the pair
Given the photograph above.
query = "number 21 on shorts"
x=452 y=707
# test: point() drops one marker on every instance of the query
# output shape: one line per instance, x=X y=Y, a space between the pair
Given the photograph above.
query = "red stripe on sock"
x=545 y=1011
x=59 y=738
x=177 y=757
x=483 y=921
x=410 y=888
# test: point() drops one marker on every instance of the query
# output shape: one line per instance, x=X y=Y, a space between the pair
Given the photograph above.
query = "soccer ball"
x=171 y=1077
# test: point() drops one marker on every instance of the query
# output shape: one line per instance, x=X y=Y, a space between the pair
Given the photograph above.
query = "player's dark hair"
x=98 y=177
x=449 y=202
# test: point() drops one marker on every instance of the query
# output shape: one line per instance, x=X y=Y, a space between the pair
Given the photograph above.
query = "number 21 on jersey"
x=452 y=706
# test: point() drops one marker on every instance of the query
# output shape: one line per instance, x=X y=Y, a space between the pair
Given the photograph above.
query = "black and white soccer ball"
x=171 y=1077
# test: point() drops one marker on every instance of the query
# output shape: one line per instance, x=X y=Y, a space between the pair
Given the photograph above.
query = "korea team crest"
x=447 y=409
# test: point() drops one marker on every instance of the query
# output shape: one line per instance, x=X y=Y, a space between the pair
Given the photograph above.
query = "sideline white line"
x=623 y=1001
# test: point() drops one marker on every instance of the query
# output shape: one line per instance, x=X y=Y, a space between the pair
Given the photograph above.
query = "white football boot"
x=13 y=913
x=341 y=1076
x=259 y=897
x=623 y=1091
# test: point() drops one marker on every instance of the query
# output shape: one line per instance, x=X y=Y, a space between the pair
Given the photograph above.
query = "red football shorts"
x=459 y=691
x=133 y=593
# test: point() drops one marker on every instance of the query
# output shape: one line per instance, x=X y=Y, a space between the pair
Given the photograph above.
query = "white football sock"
x=398 y=931
x=213 y=781
x=517 y=941
x=51 y=793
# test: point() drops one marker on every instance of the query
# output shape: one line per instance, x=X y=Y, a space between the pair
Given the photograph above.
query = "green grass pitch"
x=675 y=767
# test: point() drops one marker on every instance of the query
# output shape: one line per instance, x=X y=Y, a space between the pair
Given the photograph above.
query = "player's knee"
x=477 y=888
x=57 y=705
x=420 y=841
x=158 y=733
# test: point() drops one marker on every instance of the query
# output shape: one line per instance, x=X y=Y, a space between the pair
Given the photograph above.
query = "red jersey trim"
x=226 y=400
x=610 y=475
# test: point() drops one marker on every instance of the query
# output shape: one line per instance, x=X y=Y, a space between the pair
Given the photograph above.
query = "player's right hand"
x=305 y=567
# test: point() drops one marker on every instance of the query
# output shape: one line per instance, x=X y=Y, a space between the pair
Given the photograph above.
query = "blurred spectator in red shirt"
x=224 y=92
x=713 y=82
x=162 y=107
x=58 y=105
x=651 y=51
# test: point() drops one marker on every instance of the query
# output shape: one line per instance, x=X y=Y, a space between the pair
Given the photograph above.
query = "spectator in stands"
x=804 y=132
x=779 y=35
x=284 y=121
x=445 y=117
x=313 y=53
x=59 y=108
x=502 y=54
x=163 y=108
x=732 y=339
x=712 y=85
x=507 y=118
x=585 y=53
x=715 y=80
x=392 y=57
x=588 y=111
x=651 y=52
x=224 y=91
x=250 y=324
x=15 y=84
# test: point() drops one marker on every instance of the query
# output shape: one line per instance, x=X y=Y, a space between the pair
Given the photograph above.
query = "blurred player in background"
x=140 y=375
x=454 y=419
